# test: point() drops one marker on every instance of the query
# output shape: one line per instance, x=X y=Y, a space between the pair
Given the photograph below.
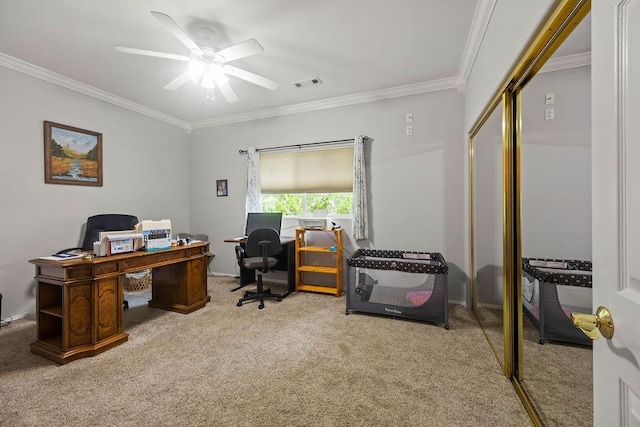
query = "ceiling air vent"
x=309 y=82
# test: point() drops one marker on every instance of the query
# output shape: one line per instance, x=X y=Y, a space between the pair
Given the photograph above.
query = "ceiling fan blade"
x=178 y=81
x=240 y=50
x=250 y=77
x=175 y=29
x=152 y=53
x=228 y=93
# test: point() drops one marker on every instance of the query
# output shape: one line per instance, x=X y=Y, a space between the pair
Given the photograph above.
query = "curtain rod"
x=302 y=145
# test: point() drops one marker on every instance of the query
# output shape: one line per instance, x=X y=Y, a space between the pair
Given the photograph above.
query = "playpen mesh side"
x=381 y=273
x=552 y=322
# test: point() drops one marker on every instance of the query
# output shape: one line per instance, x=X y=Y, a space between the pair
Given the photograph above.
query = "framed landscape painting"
x=72 y=156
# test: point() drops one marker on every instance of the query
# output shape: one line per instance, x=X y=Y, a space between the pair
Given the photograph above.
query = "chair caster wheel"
x=279 y=299
x=239 y=304
x=261 y=306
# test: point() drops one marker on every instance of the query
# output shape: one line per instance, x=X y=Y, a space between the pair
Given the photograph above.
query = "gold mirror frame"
x=556 y=27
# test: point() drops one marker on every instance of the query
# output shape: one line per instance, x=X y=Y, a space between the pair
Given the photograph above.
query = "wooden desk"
x=286 y=262
x=79 y=302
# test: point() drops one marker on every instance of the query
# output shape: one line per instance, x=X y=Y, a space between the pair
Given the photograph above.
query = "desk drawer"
x=195 y=251
x=62 y=273
x=106 y=268
x=157 y=259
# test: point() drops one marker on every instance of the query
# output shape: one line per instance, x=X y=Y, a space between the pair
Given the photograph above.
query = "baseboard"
x=7 y=320
x=495 y=306
x=458 y=302
x=215 y=273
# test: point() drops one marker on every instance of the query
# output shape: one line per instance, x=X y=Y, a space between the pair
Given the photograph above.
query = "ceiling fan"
x=207 y=67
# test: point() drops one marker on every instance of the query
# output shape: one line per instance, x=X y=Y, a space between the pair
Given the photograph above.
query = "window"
x=306 y=203
x=300 y=182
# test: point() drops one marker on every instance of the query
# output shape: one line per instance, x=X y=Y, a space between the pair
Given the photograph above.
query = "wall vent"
x=309 y=82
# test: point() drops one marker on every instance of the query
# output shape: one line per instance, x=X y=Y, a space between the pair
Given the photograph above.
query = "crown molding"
x=564 y=62
x=481 y=19
x=485 y=9
x=340 y=101
x=57 y=79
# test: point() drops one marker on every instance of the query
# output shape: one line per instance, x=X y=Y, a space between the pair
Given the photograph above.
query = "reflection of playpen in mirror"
x=551 y=291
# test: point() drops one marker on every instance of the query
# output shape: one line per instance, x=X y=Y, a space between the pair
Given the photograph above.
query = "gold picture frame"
x=72 y=156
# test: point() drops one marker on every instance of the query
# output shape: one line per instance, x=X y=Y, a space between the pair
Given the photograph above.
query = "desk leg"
x=247 y=277
x=291 y=269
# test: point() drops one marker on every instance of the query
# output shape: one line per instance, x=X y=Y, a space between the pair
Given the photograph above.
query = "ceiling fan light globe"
x=196 y=68
x=207 y=81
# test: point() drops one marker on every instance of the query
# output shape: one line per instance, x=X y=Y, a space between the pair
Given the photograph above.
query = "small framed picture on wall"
x=221 y=188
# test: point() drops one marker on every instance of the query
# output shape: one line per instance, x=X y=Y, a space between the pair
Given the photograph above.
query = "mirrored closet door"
x=555 y=187
x=530 y=199
x=488 y=275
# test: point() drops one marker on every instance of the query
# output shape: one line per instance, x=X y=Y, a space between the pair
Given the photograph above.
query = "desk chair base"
x=260 y=296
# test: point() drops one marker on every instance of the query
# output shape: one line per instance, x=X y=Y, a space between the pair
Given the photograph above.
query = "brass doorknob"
x=594 y=324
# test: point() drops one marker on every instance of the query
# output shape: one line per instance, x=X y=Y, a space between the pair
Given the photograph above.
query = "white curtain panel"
x=253 y=201
x=360 y=228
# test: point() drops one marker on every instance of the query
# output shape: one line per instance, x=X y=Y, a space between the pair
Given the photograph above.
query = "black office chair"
x=105 y=222
x=259 y=254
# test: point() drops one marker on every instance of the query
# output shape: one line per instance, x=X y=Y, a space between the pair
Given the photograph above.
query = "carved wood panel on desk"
x=79 y=302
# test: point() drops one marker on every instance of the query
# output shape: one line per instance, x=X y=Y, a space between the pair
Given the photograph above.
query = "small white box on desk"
x=156 y=234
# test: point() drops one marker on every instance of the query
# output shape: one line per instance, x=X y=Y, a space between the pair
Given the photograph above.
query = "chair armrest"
x=240 y=254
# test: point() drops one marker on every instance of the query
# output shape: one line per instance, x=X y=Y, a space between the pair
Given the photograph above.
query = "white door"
x=616 y=208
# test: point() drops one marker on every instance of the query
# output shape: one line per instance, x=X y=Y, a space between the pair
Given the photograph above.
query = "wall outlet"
x=409 y=130
x=409 y=117
x=548 y=114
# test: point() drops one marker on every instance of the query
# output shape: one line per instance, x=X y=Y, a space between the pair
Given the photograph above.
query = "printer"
x=156 y=234
x=117 y=242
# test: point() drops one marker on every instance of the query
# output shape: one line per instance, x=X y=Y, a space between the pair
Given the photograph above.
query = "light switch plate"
x=549 y=98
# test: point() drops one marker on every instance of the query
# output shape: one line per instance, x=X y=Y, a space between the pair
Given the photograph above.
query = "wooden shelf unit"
x=332 y=268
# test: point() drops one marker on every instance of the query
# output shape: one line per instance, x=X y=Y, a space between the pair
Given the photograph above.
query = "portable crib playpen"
x=403 y=284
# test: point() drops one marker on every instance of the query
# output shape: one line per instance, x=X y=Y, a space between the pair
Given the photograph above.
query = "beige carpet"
x=558 y=377
x=299 y=362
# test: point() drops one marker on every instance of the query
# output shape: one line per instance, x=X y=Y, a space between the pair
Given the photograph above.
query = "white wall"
x=556 y=166
x=415 y=183
x=145 y=174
